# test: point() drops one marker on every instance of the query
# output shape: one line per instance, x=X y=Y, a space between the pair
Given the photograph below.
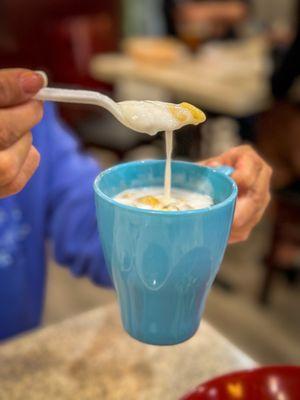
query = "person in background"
x=283 y=120
x=204 y=19
x=278 y=138
x=288 y=69
x=46 y=193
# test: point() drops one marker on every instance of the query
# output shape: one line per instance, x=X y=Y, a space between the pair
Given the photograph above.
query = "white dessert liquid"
x=153 y=198
x=156 y=116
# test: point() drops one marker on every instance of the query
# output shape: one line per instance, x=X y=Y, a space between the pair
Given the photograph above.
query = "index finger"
x=19 y=85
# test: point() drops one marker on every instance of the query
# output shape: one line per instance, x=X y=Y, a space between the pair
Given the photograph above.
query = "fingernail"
x=31 y=82
x=44 y=76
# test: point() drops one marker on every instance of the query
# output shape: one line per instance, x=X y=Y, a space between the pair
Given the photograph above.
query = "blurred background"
x=237 y=60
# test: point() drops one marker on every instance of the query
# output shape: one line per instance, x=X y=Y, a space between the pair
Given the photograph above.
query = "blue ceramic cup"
x=163 y=263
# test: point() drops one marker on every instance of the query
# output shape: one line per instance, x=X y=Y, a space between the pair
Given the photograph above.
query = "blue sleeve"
x=71 y=218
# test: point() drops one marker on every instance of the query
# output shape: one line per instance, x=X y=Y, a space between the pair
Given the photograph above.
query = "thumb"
x=19 y=85
x=210 y=163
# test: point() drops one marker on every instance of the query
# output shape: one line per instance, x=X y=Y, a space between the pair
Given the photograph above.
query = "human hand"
x=18 y=114
x=253 y=176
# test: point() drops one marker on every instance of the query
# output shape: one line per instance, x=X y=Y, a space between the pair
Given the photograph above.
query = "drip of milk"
x=169 y=149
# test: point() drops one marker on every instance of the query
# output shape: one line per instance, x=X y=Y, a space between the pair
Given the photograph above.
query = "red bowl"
x=266 y=383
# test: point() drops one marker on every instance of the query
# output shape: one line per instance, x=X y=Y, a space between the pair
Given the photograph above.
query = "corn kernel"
x=197 y=114
x=178 y=113
x=149 y=201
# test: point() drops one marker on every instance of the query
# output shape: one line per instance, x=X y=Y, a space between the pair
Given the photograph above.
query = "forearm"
x=71 y=221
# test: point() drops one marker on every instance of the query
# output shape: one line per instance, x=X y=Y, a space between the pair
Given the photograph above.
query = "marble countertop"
x=91 y=357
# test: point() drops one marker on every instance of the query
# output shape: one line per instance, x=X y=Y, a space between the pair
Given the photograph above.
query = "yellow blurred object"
x=160 y=50
x=235 y=390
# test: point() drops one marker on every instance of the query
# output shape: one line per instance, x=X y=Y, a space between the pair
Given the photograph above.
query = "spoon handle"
x=80 y=97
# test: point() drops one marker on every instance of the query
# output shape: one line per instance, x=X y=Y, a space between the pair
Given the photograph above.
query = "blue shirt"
x=57 y=204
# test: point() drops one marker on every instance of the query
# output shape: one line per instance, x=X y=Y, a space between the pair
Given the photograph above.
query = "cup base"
x=162 y=341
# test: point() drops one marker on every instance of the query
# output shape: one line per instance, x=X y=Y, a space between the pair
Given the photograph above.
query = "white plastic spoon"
x=142 y=116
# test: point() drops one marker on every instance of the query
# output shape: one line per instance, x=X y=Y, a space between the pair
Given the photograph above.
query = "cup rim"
x=224 y=203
